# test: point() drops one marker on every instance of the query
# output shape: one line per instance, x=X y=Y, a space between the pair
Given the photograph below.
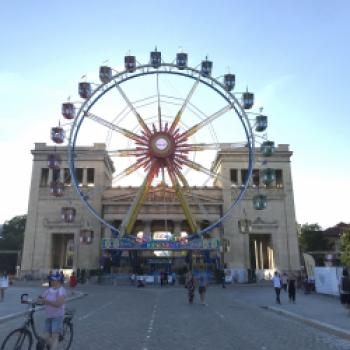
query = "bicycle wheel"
x=19 y=338
x=65 y=340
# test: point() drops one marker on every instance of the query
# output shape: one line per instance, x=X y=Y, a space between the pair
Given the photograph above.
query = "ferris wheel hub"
x=161 y=145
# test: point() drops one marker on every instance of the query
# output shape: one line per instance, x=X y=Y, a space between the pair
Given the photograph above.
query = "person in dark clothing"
x=61 y=276
x=344 y=289
x=190 y=285
x=291 y=289
x=49 y=277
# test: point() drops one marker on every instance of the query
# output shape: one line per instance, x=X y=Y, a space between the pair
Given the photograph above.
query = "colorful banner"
x=125 y=244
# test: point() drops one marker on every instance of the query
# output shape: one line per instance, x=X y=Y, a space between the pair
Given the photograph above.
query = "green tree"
x=345 y=248
x=312 y=238
x=12 y=234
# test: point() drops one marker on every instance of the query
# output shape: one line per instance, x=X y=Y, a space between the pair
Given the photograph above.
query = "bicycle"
x=22 y=338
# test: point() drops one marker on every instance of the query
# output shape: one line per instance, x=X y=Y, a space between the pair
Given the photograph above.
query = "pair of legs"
x=278 y=292
x=190 y=296
x=202 y=294
x=291 y=295
x=2 y=294
x=53 y=329
x=52 y=340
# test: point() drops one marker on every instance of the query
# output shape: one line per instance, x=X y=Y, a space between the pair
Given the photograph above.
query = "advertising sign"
x=126 y=243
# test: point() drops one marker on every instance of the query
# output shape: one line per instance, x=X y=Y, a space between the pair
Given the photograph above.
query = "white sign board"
x=327 y=279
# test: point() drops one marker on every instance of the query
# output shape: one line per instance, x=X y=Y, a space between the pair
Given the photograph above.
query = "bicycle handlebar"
x=25 y=300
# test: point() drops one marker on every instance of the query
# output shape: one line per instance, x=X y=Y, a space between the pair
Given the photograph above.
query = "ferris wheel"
x=163 y=124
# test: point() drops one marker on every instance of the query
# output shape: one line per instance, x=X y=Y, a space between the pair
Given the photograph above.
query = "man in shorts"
x=53 y=300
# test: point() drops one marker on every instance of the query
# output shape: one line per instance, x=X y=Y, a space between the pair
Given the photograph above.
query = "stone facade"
x=269 y=243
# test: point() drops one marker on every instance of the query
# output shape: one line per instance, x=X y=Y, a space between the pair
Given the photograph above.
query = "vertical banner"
x=309 y=265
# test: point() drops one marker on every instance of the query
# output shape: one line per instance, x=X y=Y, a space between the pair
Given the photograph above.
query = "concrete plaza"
x=155 y=318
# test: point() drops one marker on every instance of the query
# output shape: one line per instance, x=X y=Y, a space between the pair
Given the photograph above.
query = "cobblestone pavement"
x=127 y=318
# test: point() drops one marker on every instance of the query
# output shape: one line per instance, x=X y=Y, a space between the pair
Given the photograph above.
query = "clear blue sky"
x=293 y=54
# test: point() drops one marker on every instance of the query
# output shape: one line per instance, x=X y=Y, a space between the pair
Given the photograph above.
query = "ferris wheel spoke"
x=183 y=202
x=208 y=146
x=184 y=105
x=134 y=152
x=182 y=178
x=127 y=133
x=200 y=168
x=159 y=108
x=130 y=169
x=133 y=109
x=205 y=122
x=131 y=216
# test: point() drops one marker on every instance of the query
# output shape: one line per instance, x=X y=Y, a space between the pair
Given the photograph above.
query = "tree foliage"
x=312 y=238
x=345 y=248
x=12 y=234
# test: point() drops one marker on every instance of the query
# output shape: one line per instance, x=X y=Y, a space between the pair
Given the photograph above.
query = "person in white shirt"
x=4 y=283
x=54 y=301
x=277 y=285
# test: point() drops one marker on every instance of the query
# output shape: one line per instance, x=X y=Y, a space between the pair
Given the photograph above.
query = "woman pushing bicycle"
x=53 y=300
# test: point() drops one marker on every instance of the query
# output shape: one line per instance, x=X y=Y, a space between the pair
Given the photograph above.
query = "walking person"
x=4 y=283
x=277 y=285
x=344 y=289
x=161 y=278
x=291 y=289
x=62 y=276
x=53 y=300
x=49 y=277
x=72 y=282
x=223 y=279
x=284 y=281
x=202 y=288
x=190 y=285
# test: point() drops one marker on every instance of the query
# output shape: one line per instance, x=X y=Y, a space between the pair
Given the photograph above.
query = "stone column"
x=256 y=255
x=261 y=255
x=85 y=177
x=61 y=178
x=50 y=175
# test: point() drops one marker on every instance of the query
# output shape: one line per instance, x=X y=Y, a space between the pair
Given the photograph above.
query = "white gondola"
x=156 y=59
x=206 y=68
x=248 y=100
x=57 y=134
x=181 y=60
x=268 y=176
x=130 y=63
x=54 y=161
x=56 y=188
x=260 y=202
x=68 y=110
x=267 y=148
x=260 y=123
x=68 y=214
x=85 y=90
x=105 y=74
x=229 y=81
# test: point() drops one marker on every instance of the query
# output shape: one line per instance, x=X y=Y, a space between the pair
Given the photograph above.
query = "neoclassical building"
x=249 y=239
